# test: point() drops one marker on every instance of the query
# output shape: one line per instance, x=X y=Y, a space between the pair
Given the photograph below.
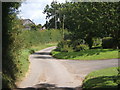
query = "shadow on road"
x=42 y=53
x=46 y=86
x=43 y=57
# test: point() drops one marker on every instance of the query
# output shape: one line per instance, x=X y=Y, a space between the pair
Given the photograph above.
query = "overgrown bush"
x=65 y=46
x=70 y=46
x=97 y=42
x=31 y=51
x=76 y=43
x=108 y=42
x=81 y=47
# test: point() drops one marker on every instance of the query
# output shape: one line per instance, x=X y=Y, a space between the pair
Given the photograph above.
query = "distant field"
x=92 y=54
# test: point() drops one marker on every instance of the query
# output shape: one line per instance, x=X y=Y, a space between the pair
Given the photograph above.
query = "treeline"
x=86 y=20
x=17 y=42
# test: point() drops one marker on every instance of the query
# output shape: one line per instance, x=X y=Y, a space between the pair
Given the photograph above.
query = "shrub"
x=31 y=51
x=107 y=42
x=81 y=47
x=68 y=36
x=69 y=46
x=76 y=43
x=97 y=42
x=65 y=46
x=60 y=45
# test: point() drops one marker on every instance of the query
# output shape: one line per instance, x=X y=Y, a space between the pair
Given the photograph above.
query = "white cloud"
x=33 y=9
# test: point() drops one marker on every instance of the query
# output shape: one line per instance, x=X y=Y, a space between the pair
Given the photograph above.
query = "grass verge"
x=91 y=54
x=104 y=78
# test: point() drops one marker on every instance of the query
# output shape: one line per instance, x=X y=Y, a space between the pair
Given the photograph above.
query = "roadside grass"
x=104 y=78
x=91 y=54
x=24 y=61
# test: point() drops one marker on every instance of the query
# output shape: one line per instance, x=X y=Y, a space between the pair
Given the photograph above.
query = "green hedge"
x=40 y=37
x=64 y=46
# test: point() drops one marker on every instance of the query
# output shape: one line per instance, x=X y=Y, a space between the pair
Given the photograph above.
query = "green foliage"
x=31 y=38
x=38 y=27
x=77 y=42
x=65 y=46
x=97 y=42
x=86 y=20
x=70 y=46
x=108 y=42
x=117 y=80
x=31 y=51
x=7 y=81
x=91 y=54
x=60 y=46
x=103 y=78
x=81 y=47
x=33 y=27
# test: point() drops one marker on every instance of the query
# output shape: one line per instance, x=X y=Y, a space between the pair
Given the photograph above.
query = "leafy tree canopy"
x=86 y=19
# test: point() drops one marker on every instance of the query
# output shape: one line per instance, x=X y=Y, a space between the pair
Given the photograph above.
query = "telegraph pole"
x=55 y=15
x=63 y=21
x=63 y=26
x=55 y=20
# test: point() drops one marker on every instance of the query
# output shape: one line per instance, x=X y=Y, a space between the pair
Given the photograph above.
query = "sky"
x=33 y=10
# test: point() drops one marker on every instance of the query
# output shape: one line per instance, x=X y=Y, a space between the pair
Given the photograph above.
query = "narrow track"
x=58 y=74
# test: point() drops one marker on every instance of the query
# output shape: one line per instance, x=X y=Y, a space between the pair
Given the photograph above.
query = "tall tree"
x=90 y=19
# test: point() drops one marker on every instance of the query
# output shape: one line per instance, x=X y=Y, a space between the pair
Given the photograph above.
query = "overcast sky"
x=33 y=9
